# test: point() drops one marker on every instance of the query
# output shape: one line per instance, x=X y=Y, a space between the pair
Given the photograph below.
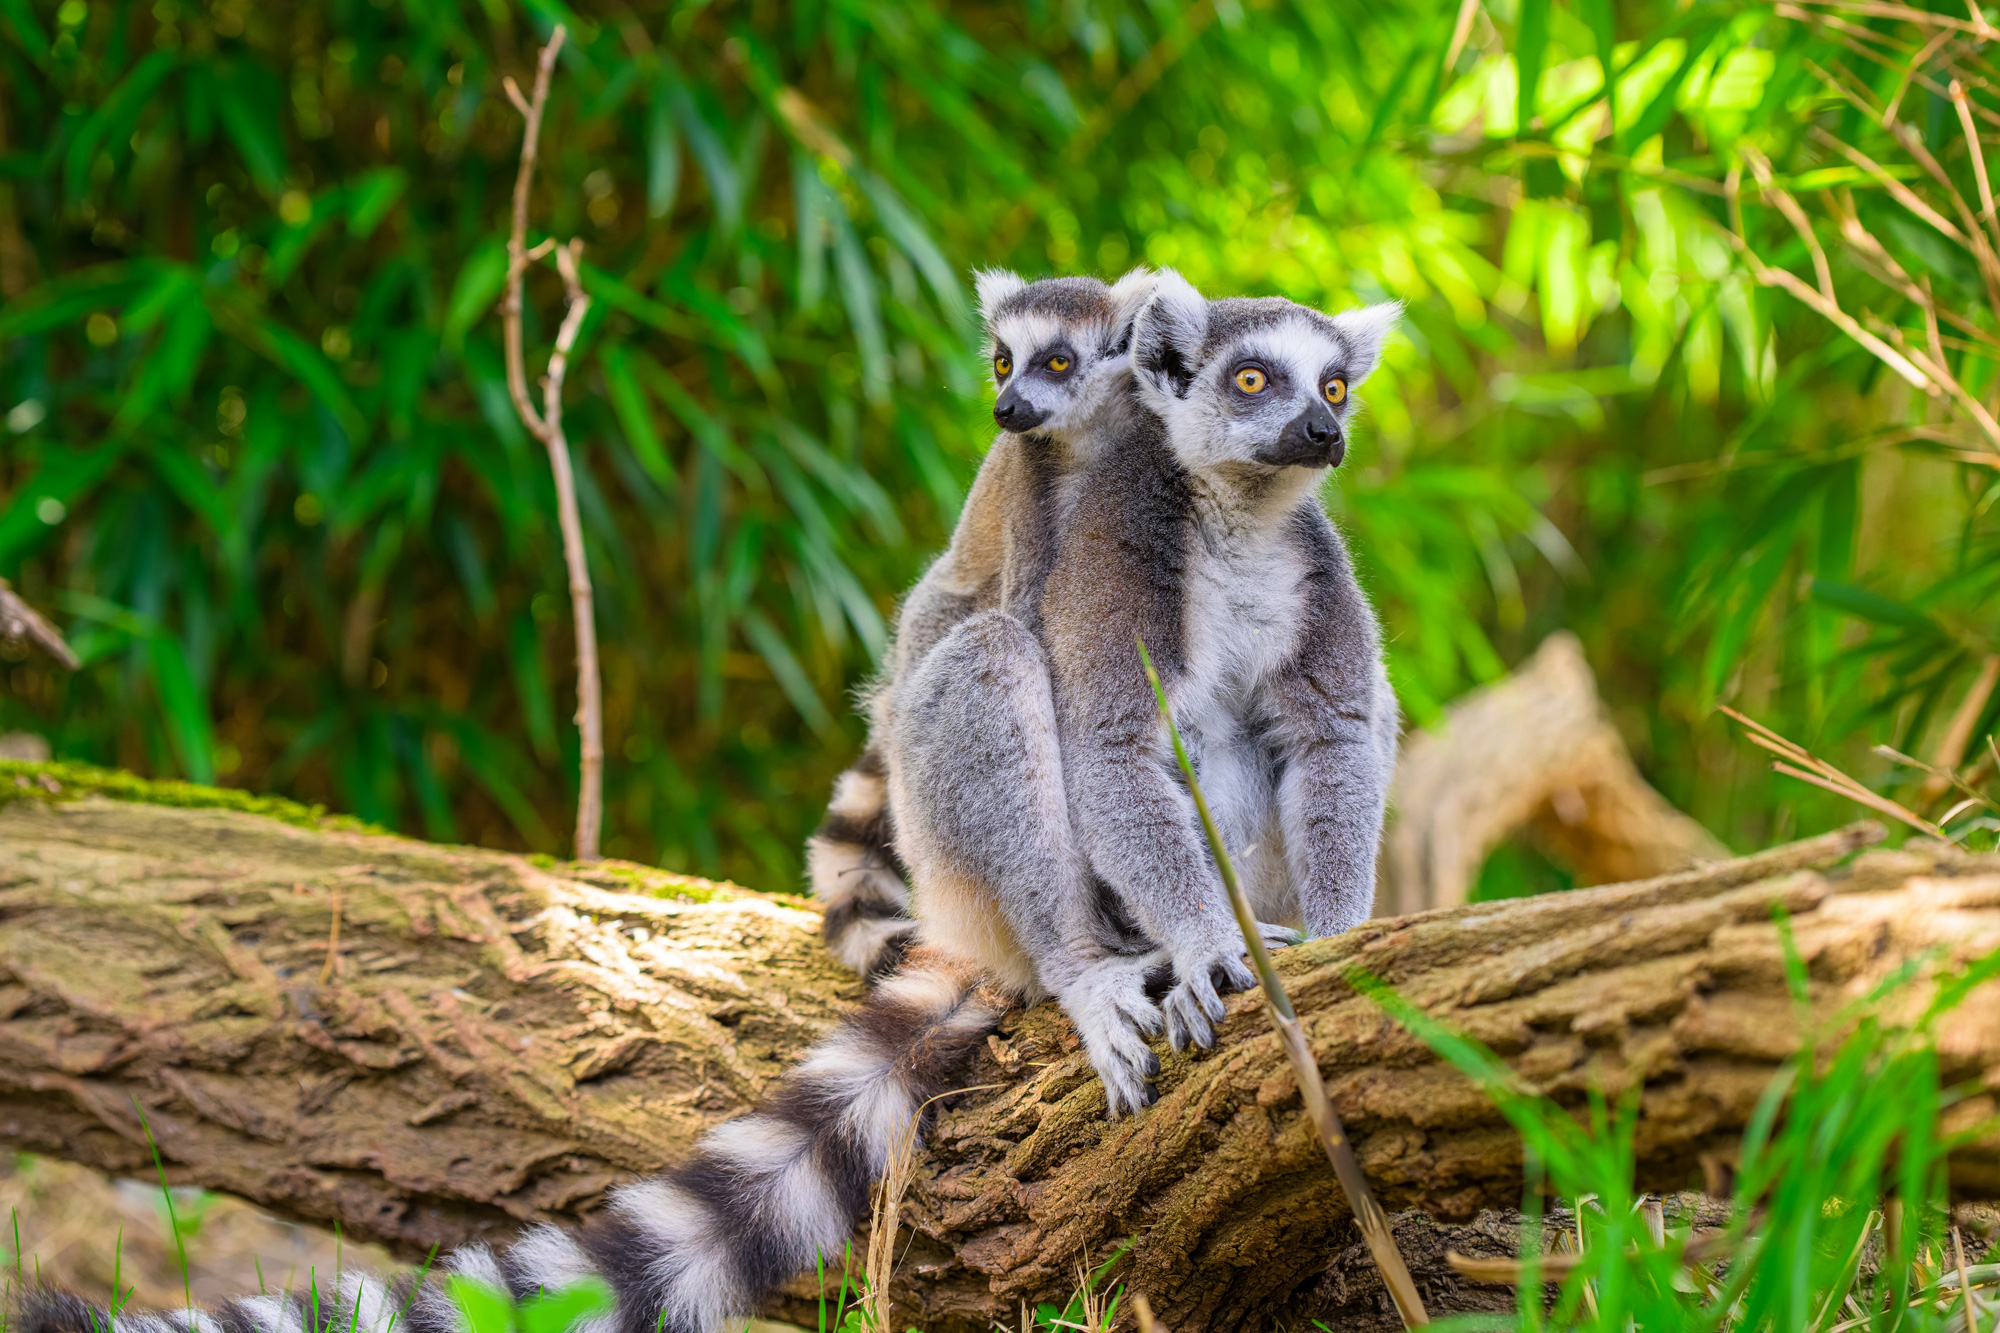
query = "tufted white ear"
x=995 y=285
x=1166 y=340
x=1364 y=331
x=1128 y=297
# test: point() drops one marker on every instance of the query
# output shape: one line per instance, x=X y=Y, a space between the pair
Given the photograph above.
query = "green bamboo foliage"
x=258 y=456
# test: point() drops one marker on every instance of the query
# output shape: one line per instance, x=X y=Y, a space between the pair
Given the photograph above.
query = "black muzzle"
x=1015 y=413
x=1310 y=439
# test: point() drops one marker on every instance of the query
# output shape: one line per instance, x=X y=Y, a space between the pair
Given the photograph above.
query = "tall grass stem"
x=1368 y=1214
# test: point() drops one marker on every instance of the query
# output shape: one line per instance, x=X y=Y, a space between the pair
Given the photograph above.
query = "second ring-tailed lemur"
x=1193 y=525
x=1059 y=352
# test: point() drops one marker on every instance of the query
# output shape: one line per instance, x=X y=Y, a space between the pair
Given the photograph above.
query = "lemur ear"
x=1364 y=331
x=994 y=286
x=1166 y=340
x=1128 y=297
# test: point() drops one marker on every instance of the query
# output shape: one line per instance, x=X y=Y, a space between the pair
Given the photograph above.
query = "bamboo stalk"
x=1368 y=1214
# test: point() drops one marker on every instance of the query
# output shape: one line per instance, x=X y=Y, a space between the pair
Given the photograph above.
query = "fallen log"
x=1536 y=753
x=432 y=1044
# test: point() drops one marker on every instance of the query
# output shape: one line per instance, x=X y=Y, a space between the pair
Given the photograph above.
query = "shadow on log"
x=498 y=1041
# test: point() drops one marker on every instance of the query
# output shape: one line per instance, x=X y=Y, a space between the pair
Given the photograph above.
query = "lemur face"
x=1058 y=348
x=1263 y=382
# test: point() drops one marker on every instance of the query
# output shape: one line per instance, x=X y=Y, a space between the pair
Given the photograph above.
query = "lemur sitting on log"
x=1051 y=847
x=1060 y=352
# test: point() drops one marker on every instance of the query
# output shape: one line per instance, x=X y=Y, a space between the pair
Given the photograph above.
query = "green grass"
x=1838 y=1218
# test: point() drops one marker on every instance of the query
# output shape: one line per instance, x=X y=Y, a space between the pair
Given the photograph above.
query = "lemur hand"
x=1194 y=1006
x=1109 y=1006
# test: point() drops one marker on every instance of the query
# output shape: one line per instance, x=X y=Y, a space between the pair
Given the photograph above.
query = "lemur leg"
x=982 y=820
x=1239 y=777
x=1332 y=798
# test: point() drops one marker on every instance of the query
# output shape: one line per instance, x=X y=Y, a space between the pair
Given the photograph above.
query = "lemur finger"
x=1230 y=976
x=1127 y=1077
x=1186 y=1026
x=1193 y=1007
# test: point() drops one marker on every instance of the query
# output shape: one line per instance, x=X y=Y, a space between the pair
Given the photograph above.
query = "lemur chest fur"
x=1245 y=597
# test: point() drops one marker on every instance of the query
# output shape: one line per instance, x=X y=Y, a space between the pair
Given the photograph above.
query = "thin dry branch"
x=1921 y=17
x=547 y=426
x=1929 y=371
x=20 y=622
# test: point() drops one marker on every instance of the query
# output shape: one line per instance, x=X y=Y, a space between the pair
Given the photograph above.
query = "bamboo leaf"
x=1530 y=45
x=636 y=416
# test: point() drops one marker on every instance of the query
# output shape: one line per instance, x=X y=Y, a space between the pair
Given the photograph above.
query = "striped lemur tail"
x=856 y=874
x=758 y=1201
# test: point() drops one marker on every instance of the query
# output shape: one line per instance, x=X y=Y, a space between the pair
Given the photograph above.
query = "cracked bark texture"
x=499 y=1041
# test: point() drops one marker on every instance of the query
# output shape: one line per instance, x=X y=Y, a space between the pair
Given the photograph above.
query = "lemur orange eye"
x=1058 y=363
x=1251 y=380
x=1336 y=391
x=1003 y=365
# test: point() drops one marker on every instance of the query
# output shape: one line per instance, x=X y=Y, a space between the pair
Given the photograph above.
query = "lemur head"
x=1265 y=381
x=1060 y=348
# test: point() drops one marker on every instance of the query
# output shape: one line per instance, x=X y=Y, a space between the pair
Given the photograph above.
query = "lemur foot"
x=1109 y=1007
x=1194 y=1006
x=1279 y=937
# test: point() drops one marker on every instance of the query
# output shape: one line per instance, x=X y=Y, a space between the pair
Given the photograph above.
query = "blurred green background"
x=257 y=454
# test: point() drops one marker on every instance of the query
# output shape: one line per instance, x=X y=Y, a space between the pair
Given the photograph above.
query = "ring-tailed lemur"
x=764 y=1195
x=1059 y=351
x=1033 y=793
x=1216 y=551
x=1206 y=545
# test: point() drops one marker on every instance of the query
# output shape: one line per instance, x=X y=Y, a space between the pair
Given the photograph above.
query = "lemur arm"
x=1336 y=718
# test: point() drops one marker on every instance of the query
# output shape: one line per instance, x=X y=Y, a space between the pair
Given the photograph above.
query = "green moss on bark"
x=71 y=782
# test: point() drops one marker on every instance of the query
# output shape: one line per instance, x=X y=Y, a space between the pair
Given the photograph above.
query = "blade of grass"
x=173 y=1222
x=1368 y=1214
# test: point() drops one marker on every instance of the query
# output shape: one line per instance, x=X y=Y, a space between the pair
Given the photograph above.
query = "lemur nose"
x=1319 y=432
x=1015 y=413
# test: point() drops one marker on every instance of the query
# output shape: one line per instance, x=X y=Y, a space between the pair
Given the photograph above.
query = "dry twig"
x=547 y=426
x=20 y=622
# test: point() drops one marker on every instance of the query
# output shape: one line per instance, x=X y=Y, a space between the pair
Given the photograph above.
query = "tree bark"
x=498 y=1041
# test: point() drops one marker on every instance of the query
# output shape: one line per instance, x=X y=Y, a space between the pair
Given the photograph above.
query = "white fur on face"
x=1212 y=424
x=995 y=285
x=1073 y=402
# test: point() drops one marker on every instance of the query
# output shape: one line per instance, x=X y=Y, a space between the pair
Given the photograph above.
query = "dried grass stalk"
x=1368 y=1214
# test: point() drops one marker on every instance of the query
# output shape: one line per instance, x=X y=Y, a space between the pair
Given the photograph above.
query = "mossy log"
x=496 y=1040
